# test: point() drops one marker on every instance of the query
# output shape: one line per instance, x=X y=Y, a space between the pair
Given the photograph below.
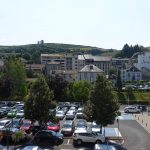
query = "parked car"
x=2 y=113
x=95 y=127
x=36 y=127
x=88 y=136
x=111 y=145
x=132 y=109
x=79 y=113
x=26 y=126
x=64 y=109
x=53 y=126
x=142 y=107
x=16 y=123
x=81 y=126
x=47 y=136
x=12 y=113
x=70 y=114
x=104 y=147
x=5 y=124
x=32 y=147
x=60 y=114
x=68 y=127
x=20 y=114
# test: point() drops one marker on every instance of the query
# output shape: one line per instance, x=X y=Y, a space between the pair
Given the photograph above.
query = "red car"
x=26 y=126
x=53 y=126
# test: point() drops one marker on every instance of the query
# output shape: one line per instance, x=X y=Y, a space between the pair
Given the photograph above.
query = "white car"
x=79 y=113
x=60 y=114
x=20 y=114
x=132 y=109
x=95 y=127
x=70 y=114
x=88 y=136
x=5 y=123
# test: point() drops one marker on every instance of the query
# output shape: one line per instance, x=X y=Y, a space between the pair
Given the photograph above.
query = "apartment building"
x=102 y=63
x=131 y=74
x=66 y=61
x=119 y=63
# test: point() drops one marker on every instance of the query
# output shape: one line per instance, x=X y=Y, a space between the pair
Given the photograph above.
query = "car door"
x=90 y=137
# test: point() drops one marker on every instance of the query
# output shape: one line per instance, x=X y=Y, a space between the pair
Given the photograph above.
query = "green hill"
x=32 y=52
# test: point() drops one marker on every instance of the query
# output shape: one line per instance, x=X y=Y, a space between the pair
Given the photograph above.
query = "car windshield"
x=15 y=123
x=81 y=126
x=2 y=123
x=67 y=126
x=60 y=112
x=51 y=124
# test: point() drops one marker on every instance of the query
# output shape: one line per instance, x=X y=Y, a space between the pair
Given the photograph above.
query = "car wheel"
x=79 y=142
x=98 y=142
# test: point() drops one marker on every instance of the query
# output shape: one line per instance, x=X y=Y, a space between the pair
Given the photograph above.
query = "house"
x=89 y=73
x=102 y=63
x=131 y=74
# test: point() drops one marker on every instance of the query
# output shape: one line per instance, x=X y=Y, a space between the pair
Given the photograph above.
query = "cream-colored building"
x=89 y=73
x=66 y=61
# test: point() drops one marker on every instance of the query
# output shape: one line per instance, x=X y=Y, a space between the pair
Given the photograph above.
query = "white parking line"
x=68 y=142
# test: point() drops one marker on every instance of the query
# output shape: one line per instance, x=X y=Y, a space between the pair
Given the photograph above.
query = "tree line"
x=128 y=51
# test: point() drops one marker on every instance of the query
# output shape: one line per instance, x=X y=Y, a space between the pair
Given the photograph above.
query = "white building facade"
x=143 y=61
x=89 y=73
x=131 y=74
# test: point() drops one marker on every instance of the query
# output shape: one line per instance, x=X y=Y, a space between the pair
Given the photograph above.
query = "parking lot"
x=126 y=127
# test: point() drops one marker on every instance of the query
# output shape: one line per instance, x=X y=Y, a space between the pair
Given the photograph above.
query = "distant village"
x=86 y=67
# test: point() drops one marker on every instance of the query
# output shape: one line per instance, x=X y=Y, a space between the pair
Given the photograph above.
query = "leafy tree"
x=26 y=56
x=6 y=87
x=119 y=82
x=78 y=91
x=57 y=84
x=81 y=91
x=39 y=101
x=112 y=71
x=88 y=111
x=128 y=51
x=16 y=70
x=105 y=107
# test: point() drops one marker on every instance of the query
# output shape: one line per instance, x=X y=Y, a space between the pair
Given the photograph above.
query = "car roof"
x=68 y=122
x=4 y=121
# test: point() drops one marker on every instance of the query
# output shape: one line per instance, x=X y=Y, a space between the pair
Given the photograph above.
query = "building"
x=68 y=75
x=143 y=61
x=51 y=67
x=66 y=61
x=35 y=67
x=102 y=63
x=131 y=74
x=119 y=63
x=89 y=73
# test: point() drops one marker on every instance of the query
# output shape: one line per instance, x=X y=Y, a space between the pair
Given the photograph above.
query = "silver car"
x=70 y=114
x=60 y=114
x=68 y=127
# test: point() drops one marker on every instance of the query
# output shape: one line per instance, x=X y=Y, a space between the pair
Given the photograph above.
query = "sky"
x=100 y=23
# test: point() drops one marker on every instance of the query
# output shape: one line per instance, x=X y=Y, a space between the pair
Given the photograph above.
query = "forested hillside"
x=32 y=52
